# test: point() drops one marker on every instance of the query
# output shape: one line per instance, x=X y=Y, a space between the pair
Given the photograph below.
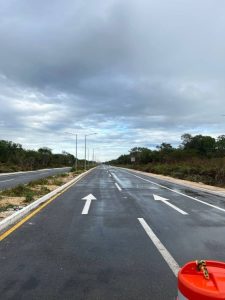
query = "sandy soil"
x=16 y=202
x=11 y=200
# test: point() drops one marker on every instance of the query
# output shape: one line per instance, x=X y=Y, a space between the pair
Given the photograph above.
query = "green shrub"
x=40 y=181
x=29 y=197
x=44 y=190
x=18 y=191
x=56 y=181
x=63 y=175
x=4 y=208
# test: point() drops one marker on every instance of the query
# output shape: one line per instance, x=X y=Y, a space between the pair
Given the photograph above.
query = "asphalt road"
x=13 y=179
x=107 y=248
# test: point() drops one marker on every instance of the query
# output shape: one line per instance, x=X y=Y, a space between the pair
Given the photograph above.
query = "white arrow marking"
x=175 y=191
x=88 y=199
x=164 y=200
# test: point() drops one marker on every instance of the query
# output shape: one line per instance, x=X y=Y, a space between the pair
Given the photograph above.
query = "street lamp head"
x=70 y=133
x=90 y=134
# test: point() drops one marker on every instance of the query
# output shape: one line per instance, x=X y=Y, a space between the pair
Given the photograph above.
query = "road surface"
x=13 y=179
x=112 y=235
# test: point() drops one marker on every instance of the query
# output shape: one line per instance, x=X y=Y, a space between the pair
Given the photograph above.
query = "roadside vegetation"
x=18 y=197
x=14 y=158
x=198 y=158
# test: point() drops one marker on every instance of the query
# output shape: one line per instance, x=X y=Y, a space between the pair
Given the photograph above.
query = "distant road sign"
x=132 y=159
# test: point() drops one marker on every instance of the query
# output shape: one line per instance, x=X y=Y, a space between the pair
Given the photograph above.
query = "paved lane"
x=107 y=253
x=14 y=179
x=62 y=254
x=200 y=234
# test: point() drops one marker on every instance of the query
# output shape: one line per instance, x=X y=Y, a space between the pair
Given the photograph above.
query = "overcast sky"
x=138 y=73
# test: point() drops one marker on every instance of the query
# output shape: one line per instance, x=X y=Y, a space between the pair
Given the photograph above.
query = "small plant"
x=29 y=197
x=62 y=175
x=57 y=182
x=6 y=207
x=44 y=190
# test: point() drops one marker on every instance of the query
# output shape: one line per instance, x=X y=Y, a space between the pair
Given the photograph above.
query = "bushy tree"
x=220 y=145
x=203 y=145
x=17 y=158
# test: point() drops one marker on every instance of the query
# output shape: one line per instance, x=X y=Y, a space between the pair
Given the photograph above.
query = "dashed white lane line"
x=117 y=185
x=6 y=180
x=179 y=193
x=116 y=178
x=163 y=251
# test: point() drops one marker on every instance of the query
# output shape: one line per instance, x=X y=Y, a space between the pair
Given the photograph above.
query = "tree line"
x=13 y=158
x=198 y=158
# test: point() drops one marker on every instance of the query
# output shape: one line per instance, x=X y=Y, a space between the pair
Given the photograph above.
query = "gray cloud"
x=137 y=73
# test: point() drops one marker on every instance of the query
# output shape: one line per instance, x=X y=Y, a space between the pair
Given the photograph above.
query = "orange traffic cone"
x=201 y=280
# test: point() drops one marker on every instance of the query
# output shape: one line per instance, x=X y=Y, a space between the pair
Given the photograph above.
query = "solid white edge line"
x=179 y=193
x=163 y=251
x=117 y=185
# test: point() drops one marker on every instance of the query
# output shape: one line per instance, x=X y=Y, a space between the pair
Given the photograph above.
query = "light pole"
x=76 y=155
x=88 y=158
x=85 y=146
x=76 y=147
x=93 y=157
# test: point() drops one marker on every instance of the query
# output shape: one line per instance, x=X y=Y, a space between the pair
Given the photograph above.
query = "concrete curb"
x=10 y=220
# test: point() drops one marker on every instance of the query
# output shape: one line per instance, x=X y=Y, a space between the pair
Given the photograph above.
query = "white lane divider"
x=116 y=178
x=6 y=180
x=179 y=193
x=164 y=200
x=163 y=251
x=117 y=185
x=87 y=205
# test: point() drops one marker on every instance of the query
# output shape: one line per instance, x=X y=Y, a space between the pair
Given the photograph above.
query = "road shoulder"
x=190 y=184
